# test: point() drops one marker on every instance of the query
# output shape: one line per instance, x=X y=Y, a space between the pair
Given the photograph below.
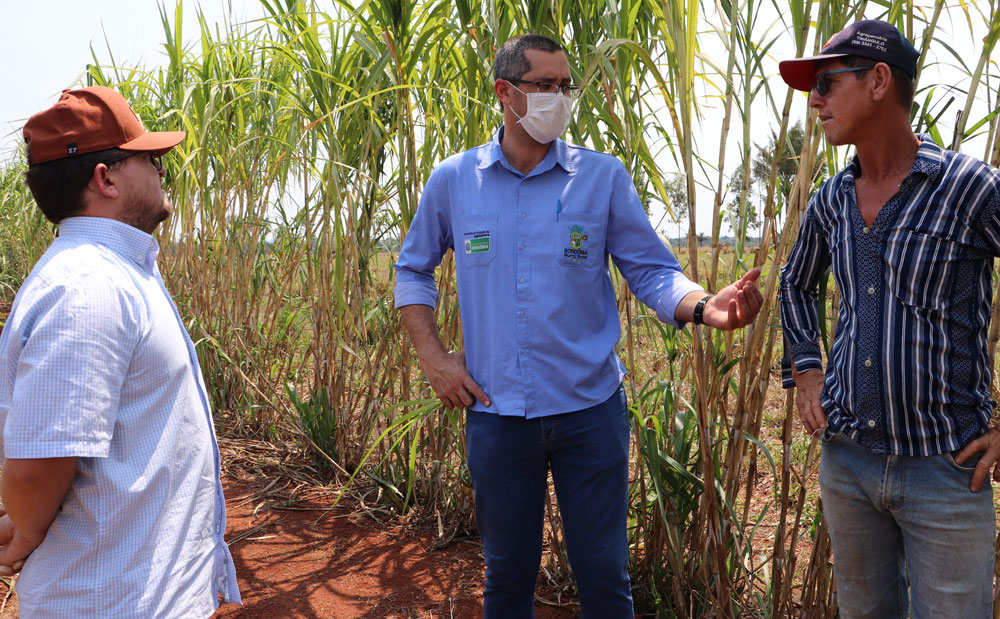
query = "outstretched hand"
x=990 y=444
x=736 y=305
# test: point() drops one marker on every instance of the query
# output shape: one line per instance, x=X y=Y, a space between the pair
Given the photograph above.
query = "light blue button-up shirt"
x=95 y=363
x=539 y=315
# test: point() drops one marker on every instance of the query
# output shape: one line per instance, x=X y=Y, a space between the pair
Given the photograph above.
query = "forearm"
x=420 y=324
x=33 y=490
x=446 y=372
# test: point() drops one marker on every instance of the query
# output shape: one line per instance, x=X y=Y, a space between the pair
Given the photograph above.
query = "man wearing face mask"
x=532 y=221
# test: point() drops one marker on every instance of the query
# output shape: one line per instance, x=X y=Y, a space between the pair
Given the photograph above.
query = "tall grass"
x=310 y=135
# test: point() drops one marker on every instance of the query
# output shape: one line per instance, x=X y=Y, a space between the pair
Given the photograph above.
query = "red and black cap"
x=869 y=38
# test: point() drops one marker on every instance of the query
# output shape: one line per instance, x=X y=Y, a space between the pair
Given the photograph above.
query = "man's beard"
x=146 y=214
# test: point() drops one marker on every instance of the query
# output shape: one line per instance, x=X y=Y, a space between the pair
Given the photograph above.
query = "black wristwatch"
x=698 y=317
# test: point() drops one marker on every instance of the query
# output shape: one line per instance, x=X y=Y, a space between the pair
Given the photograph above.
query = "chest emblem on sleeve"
x=576 y=250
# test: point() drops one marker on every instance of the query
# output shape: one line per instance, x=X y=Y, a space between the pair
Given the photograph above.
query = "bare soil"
x=297 y=557
x=306 y=560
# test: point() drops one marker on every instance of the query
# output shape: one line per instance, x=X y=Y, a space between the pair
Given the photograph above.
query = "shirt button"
x=866 y=229
x=871 y=290
x=523 y=215
x=522 y=280
x=523 y=351
x=523 y=245
x=868 y=363
x=871 y=423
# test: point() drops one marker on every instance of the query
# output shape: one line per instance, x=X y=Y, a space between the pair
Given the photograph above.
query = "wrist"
x=698 y=315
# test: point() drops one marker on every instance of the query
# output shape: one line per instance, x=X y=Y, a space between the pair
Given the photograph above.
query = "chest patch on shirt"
x=477 y=242
x=576 y=251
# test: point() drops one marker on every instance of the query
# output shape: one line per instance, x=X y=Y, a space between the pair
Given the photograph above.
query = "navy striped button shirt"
x=909 y=370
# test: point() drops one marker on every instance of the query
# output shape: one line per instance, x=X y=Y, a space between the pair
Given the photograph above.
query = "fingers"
x=454 y=385
x=990 y=460
x=458 y=398
x=989 y=443
x=10 y=570
x=477 y=391
x=980 y=474
x=972 y=447
x=814 y=420
x=750 y=277
x=744 y=308
x=734 y=314
x=748 y=299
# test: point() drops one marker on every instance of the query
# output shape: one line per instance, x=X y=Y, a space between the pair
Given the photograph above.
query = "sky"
x=47 y=44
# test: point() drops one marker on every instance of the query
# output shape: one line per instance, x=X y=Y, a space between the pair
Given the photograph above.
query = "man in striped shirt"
x=910 y=231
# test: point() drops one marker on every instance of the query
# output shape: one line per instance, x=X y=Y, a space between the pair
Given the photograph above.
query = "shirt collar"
x=121 y=238
x=930 y=157
x=558 y=154
x=929 y=161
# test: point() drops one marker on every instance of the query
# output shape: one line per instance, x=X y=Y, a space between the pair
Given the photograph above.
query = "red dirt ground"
x=292 y=563
x=296 y=558
x=343 y=564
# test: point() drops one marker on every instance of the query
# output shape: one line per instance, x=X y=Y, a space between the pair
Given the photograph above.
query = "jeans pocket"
x=830 y=436
x=969 y=466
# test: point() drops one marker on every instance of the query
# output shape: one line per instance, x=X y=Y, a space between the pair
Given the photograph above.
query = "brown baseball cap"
x=88 y=120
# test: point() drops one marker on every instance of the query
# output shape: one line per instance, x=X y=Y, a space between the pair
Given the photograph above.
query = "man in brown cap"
x=110 y=465
x=904 y=405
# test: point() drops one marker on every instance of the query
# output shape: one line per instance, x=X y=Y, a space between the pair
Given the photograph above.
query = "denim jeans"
x=898 y=518
x=509 y=459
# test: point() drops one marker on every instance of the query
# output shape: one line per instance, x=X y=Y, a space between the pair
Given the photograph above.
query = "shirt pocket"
x=477 y=240
x=920 y=268
x=578 y=240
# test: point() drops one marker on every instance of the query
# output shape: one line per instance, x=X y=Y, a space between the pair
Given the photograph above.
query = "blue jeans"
x=509 y=459
x=893 y=518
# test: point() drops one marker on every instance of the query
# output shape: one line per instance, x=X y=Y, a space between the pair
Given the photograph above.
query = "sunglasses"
x=156 y=160
x=822 y=86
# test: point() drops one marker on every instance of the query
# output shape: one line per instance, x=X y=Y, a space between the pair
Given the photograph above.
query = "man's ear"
x=881 y=81
x=102 y=182
x=502 y=89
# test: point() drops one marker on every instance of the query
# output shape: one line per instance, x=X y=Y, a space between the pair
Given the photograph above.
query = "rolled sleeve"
x=651 y=269
x=428 y=238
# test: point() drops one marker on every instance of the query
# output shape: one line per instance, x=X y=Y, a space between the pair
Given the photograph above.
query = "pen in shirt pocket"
x=558 y=208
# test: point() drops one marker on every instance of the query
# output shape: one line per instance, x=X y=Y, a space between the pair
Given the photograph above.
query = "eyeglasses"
x=822 y=86
x=551 y=88
x=156 y=160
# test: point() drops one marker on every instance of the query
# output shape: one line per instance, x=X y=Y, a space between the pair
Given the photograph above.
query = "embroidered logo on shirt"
x=576 y=251
x=477 y=242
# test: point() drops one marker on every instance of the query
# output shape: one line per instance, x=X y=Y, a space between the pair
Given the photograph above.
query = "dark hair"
x=58 y=185
x=905 y=89
x=510 y=63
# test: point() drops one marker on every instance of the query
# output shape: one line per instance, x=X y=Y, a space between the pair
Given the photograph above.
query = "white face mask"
x=547 y=116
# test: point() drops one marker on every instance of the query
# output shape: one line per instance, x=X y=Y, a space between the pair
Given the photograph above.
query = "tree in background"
x=677 y=193
x=760 y=170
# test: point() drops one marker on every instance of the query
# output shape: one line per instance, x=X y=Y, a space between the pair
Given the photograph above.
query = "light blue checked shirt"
x=539 y=315
x=909 y=370
x=95 y=363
